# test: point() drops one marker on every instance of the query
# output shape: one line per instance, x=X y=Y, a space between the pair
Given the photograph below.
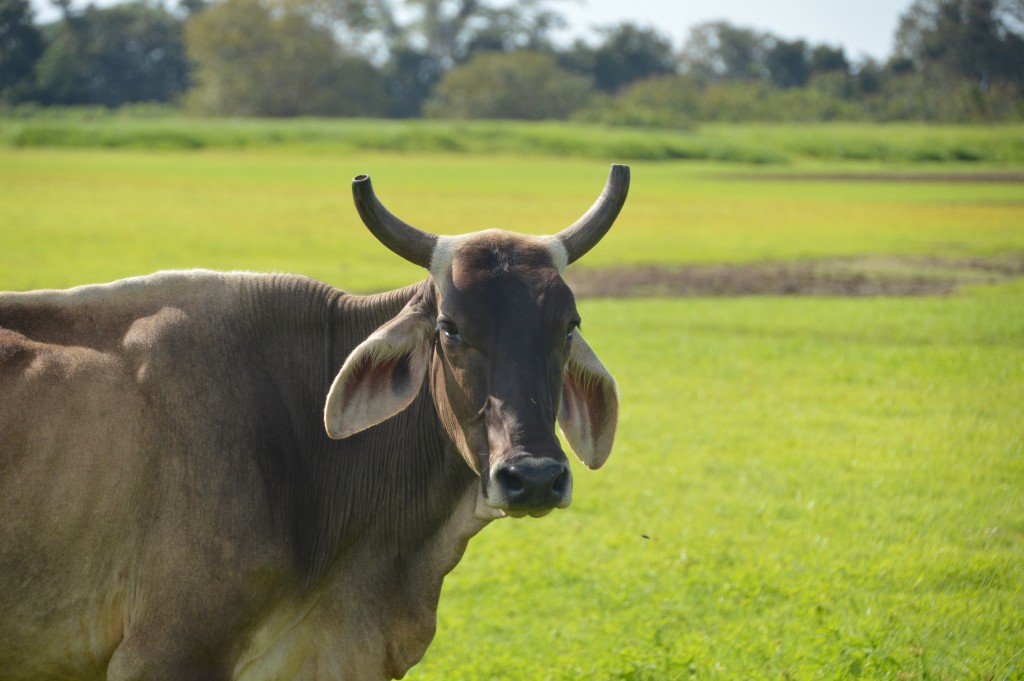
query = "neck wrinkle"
x=394 y=485
x=390 y=488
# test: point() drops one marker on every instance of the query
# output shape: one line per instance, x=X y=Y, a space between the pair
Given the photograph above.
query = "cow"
x=210 y=476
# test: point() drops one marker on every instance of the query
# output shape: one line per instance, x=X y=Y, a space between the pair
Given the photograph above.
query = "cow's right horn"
x=582 y=235
x=413 y=244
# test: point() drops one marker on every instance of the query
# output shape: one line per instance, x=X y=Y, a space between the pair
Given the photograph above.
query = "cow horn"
x=413 y=244
x=582 y=235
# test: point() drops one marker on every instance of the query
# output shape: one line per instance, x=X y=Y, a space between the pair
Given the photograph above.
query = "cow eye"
x=571 y=331
x=448 y=330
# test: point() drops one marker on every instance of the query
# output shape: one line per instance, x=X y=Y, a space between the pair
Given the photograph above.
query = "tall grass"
x=751 y=143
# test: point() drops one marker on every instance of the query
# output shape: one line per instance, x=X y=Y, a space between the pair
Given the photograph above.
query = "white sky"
x=862 y=27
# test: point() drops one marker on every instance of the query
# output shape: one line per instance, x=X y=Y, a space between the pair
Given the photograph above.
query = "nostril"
x=509 y=479
x=558 y=486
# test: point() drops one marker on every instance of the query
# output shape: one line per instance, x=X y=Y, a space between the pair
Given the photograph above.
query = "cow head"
x=499 y=341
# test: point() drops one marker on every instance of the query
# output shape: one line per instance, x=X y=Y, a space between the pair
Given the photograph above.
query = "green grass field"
x=804 y=488
x=163 y=129
x=807 y=488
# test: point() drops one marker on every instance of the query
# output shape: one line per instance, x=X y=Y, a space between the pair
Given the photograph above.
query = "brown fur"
x=171 y=506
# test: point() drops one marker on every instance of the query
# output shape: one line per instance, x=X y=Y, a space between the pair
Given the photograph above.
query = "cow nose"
x=530 y=484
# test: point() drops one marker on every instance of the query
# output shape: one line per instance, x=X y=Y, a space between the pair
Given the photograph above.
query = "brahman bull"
x=173 y=507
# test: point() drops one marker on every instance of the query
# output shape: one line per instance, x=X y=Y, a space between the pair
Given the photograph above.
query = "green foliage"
x=788 y=63
x=980 y=41
x=410 y=77
x=955 y=61
x=111 y=56
x=919 y=96
x=21 y=44
x=674 y=101
x=626 y=53
x=811 y=488
x=517 y=85
x=717 y=50
x=659 y=102
x=455 y=30
x=419 y=40
x=254 y=61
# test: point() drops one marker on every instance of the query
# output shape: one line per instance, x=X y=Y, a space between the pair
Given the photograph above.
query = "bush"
x=659 y=102
x=935 y=98
x=515 y=85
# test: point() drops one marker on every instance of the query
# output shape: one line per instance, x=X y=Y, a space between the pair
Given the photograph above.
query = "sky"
x=864 y=28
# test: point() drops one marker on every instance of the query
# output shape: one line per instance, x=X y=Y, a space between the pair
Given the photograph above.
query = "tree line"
x=952 y=60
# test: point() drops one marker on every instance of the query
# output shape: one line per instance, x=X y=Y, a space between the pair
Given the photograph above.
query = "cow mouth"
x=538 y=513
x=485 y=511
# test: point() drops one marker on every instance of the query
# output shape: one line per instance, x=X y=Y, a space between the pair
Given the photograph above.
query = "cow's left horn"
x=413 y=244
x=582 y=235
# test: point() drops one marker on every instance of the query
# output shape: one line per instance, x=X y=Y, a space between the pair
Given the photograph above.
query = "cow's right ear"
x=381 y=377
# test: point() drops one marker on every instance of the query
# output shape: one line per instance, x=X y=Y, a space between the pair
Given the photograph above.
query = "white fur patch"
x=559 y=255
x=442 y=257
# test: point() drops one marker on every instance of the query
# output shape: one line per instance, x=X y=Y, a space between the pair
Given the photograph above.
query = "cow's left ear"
x=381 y=377
x=590 y=405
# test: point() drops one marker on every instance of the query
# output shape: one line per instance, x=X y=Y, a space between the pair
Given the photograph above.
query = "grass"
x=161 y=129
x=75 y=216
x=809 y=488
x=806 y=488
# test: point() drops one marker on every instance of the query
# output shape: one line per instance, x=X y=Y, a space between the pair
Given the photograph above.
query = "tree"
x=626 y=54
x=516 y=85
x=825 y=58
x=526 y=25
x=416 y=41
x=447 y=31
x=717 y=51
x=410 y=77
x=979 y=40
x=254 y=60
x=20 y=47
x=115 y=55
x=788 y=63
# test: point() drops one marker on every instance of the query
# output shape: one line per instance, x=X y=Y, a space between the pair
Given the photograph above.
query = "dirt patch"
x=955 y=177
x=864 y=276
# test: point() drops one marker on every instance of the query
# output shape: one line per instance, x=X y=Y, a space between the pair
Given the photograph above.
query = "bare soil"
x=886 y=176
x=863 y=276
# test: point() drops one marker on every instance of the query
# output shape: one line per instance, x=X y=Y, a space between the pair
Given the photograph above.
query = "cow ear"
x=381 y=377
x=589 y=410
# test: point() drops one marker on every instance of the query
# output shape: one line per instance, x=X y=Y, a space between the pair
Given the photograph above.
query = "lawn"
x=802 y=487
x=77 y=216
